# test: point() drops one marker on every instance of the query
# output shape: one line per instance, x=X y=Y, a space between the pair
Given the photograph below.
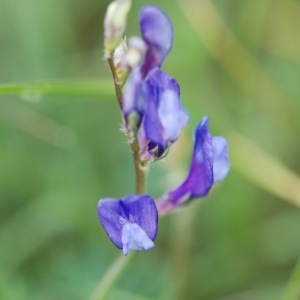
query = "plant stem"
x=79 y=89
x=118 y=87
x=139 y=167
x=119 y=265
x=110 y=277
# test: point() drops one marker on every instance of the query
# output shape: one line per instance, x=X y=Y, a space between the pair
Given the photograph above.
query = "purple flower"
x=164 y=117
x=130 y=223
x=157 y=34
x=210 y=163
x=221 y=161
x=151 y=104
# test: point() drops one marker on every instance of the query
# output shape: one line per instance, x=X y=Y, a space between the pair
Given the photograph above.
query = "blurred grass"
x=35 y=91
x=61 y=150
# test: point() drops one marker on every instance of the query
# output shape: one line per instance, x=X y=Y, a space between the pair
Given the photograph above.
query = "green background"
x=61 y=150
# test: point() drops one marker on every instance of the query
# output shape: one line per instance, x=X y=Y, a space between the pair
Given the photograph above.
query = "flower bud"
x=115 y=24
x=119 y=62
x=136 y=52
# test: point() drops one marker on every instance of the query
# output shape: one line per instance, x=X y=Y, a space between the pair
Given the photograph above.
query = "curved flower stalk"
x=130 y=223
x=210 y=164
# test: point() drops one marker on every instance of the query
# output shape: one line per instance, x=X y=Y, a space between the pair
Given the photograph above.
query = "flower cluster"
x=154 y=118
x=151 y=106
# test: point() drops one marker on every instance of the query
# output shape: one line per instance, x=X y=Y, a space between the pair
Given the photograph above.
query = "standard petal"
x=200 y=177
x=157 y=32
x=209 y=164
x=164 y=116
x=142 y=211
x=151 y=123
x=221 y=160
x=111 y=215
x=201 y=173
x=162 y=80
x=171 y=114
x=133 y=99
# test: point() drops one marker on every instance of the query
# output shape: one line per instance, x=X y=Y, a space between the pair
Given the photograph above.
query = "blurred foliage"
x=61 y=150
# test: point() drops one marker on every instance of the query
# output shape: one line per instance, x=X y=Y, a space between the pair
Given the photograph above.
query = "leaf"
x=102 y=89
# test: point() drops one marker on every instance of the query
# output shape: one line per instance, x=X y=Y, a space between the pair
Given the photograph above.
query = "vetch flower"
x=164 y=117
x=151 y=106
x=130 y=223
x=157 y=35
x=210 y=163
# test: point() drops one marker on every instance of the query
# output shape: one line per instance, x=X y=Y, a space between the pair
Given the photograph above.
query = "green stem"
x=72 y=89
x=139 y=167
x=110 y=277
x=118 y=87
x=122 y=261
x=141 y=174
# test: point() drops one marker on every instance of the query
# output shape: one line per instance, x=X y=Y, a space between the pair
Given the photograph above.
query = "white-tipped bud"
x=136 y=52
x=115 y=24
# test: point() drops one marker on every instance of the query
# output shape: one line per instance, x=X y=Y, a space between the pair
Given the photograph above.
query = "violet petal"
x=130 y=223
x=172 y=116
x=142 y=211
x=135 y=238
x=164 y=117
x=200 y=177
x=201 y=172
x=110 y=213
x=221 y=161
x=133 y=99
x=157 y=32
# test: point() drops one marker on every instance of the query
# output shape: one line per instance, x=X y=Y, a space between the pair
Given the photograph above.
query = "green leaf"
x=102 y=89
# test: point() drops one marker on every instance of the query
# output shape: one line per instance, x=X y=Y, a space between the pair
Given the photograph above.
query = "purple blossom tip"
x=200 y=177
x=150 y=89
x=134 y=102
x=157 y=32
x=210 y=163
x=221 y=160
x=164 y=116
x=130 y=223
